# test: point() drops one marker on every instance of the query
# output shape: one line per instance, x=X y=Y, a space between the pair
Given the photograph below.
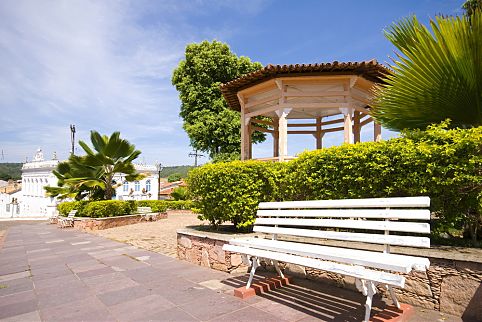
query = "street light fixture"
x=159 y=168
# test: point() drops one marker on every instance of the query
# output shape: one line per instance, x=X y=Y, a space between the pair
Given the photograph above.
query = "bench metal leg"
x=276 y=266
x=255 y=265
x=394 y=296
x=371 y=290
x=368 y=288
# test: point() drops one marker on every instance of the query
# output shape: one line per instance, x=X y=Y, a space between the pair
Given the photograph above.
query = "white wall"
x=145 y=189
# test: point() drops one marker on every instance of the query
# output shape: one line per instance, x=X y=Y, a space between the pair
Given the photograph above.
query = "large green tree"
x=92 y=175
x=211 y=126
x=437 y=74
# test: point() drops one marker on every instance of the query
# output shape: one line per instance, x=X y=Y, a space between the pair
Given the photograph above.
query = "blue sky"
x=107 y=65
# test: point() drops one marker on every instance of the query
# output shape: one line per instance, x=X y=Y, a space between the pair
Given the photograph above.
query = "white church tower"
x=36 y=175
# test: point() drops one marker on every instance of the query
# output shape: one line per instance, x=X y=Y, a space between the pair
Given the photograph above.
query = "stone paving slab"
x=51 y=274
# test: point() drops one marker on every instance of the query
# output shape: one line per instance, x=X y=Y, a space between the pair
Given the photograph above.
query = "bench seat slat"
x=394 y=262
x=397 y=202
x=350 y=270
x=144 y=210
x=414 y=214
x=411 y=227
x=358 y=237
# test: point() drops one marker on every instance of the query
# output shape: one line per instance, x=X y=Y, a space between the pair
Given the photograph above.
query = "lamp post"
x=159 y=169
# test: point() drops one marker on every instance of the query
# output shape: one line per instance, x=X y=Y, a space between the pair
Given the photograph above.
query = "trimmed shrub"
x=445 y=165
x=163 y=205
x=156 y=205
x=65 y=207
x=179 y=193
x=108 y=208
x=112 y=208
x=231 y=191
x=179 y=204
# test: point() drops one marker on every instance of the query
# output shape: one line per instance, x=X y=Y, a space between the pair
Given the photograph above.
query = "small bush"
x=232 y=191
x=179 y=193
x=163 y=205
x=178 y=204
x=108 y=208
x=156 y=205
x=65 y=207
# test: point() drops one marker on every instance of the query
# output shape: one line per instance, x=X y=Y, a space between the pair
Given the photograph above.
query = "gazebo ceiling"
x=369 y=70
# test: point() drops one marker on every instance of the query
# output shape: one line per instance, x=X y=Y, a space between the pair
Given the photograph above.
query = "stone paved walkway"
x=49 y=274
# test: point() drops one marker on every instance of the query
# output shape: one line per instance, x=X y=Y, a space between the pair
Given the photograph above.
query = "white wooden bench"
x=354 y=221
x=68 y=221
x=54 y=218
x=146 y=213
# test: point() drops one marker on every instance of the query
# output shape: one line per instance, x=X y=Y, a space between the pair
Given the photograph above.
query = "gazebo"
x=273 y=98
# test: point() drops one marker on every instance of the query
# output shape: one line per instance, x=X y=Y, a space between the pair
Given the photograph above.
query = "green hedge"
x=111 y=208
x=443 y=164
x=98 y=209
x=65 y=207
x=163 y=205
x=231 y=191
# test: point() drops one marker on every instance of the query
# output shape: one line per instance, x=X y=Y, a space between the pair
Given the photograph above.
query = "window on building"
x=137 y=186
x=148 y=185
x=126 y=186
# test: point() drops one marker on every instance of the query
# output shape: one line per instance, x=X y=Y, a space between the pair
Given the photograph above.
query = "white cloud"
x=100 y=65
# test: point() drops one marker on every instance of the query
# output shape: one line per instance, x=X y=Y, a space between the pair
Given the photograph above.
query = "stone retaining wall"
x=86 y=224
x=451 y=285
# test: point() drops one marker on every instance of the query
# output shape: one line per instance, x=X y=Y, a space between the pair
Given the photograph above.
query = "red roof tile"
x=371 y=70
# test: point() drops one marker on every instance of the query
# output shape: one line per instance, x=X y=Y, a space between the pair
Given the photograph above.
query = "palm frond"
x=437 y=74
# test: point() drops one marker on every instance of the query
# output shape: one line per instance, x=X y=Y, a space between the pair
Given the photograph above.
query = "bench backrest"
x=387 y=221
x=144 y=210
x=72 y=213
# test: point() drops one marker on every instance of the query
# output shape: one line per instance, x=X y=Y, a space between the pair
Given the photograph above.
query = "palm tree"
x=70 y=185
x=92 y=175
x=437 y=74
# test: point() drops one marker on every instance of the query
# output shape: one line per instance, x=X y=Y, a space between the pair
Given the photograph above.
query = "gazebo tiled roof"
x=370 y=70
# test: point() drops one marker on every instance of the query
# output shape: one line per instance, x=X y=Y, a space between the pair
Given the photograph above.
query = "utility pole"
x=72 y=138
x=195 y=155
x=159 y=168
x=3 y=156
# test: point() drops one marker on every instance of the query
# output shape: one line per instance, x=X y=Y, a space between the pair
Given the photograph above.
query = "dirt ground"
x=158 y=236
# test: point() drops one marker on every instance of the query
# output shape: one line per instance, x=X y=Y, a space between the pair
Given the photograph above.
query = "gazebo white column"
x=283 y=132
x=275 y=137
x=377 y=132
x=245 y=132
x=319 y=134
x=347 y=125
x=245 y=137
x=356 y=126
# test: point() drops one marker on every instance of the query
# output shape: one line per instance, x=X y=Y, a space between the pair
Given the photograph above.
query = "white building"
x=36 y=175
x=145 y=189
x=32 y=200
